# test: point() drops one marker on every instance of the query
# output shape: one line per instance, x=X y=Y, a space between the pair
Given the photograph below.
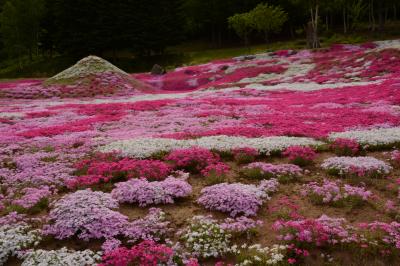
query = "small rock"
x=158 y=70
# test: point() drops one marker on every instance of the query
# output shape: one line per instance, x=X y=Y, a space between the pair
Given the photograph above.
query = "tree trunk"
x=381 y=16
x=372 y=14
x=327 y=22
x=312 y=29
x=30 y=54
x=344 y=21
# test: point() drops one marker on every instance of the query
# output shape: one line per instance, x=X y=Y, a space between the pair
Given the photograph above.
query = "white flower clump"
x=14 y=238
x=382 y=45
x=307 y=86
x=258 y=255
x=361 y=166
x=61 y=257
x=205 y=238
x=145 y=147
x=380 y=136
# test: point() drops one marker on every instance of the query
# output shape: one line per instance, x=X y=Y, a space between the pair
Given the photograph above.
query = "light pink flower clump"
x=87 y=214
x=324 y=231
x=31 y=196
x=395 y=156
x=146 y=193
x=237 y=198
x=331 y=192
x=276 y=170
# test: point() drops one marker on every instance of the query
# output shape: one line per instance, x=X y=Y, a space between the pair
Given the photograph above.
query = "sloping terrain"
x=281 y=158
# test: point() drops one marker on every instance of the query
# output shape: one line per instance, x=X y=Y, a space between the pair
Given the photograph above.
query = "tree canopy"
x=30 y=28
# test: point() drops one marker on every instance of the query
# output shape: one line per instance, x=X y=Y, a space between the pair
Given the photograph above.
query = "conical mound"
x=88 y=66
x=93 y=76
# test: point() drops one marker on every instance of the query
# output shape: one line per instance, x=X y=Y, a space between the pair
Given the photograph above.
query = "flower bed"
x=356 y=166
x=229 y=125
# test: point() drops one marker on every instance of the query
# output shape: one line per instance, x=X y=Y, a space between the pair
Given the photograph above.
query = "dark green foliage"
x=141 y=26
x=126 y=32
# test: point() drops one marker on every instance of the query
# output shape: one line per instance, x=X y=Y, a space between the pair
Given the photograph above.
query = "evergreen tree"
x=20 y=27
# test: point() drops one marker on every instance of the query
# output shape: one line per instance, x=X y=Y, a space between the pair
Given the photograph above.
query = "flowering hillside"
x=290 y=157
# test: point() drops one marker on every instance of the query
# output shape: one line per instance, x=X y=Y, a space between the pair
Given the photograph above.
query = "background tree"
x=242 y=24
x=97 y=26
x=266 y=19
x=20 y=27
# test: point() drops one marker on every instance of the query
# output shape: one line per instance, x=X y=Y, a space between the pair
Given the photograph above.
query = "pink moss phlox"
x=237 y=198
x=300 y=152
x=324 y=231
x=147 y=253
x=87 y=214
x=218 y=169
x=145 y=193
x=194 y=159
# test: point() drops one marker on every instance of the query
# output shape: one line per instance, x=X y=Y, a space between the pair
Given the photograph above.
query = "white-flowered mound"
x=380 y=136
x=59 y=257
x=14 y=238
x=145 y=147
x=361 y=166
